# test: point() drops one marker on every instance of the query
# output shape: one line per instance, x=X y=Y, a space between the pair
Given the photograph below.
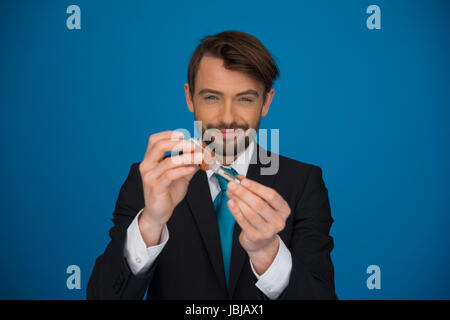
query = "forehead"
x=213 y=75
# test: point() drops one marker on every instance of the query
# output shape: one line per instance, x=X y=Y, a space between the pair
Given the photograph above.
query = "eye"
x=245 y=99
x=210 y=98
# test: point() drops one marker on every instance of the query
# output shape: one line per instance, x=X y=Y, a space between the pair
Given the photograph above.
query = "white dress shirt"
x=140 y=258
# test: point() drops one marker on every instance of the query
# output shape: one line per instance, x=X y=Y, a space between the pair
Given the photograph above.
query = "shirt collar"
x=242 y=161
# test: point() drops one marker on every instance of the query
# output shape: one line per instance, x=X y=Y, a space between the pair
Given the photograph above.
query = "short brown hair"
x=240 y=52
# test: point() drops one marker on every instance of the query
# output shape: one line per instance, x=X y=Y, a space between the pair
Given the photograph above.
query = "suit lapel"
x=199 y=199
x=238 y=254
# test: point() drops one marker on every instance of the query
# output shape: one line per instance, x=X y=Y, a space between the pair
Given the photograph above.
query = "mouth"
x=228 y=133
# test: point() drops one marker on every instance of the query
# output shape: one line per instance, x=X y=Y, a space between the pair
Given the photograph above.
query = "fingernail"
x=245 y=183
x=231 y=203
x=232 y=185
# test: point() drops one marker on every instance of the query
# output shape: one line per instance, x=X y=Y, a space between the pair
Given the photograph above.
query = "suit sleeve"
x=111 y=277
x=312 y=274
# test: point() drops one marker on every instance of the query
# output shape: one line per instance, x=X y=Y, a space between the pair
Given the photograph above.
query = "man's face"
x=229 y=101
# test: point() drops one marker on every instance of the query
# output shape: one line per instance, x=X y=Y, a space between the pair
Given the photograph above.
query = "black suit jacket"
x=190 y=265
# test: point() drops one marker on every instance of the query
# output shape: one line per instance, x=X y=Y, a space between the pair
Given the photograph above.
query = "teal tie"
x=225 y=221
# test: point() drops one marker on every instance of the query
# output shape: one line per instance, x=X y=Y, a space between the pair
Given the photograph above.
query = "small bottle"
x=210 y=162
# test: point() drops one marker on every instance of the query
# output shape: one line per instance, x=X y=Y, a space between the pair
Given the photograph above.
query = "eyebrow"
x=207 y=90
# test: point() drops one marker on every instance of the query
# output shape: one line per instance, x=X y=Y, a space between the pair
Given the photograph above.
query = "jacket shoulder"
x=293 y=177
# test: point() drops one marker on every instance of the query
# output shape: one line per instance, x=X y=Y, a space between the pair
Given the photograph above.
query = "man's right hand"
x=165 y=182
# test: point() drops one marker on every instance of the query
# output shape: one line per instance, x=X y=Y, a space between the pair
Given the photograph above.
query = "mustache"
x=224 y=126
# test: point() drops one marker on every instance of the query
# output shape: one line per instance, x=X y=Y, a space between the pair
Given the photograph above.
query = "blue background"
x=370 y=107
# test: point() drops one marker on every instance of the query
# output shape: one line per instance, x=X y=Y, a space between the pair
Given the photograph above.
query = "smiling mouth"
x=228 y=133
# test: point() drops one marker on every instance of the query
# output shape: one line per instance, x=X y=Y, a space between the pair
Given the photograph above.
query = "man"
x=183 y=233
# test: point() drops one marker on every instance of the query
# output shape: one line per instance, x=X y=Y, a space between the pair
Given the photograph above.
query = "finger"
x=195 y=157
x=185 y=159
x=165 y=135
x=156 y=152
x=174 y=174
x=272 y=197
x=245 y=225
x=188 y=177
x=253 y=217
x=252 y=200
x=170 y=135
x=159 y=149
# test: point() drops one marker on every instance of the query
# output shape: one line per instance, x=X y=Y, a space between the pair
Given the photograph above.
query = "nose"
x=227 y=114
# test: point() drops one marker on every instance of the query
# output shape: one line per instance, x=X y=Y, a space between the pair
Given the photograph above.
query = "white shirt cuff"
x=139 y=257
x=273 y=282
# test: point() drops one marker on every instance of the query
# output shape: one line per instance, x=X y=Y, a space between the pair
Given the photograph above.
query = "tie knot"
x=223 y=182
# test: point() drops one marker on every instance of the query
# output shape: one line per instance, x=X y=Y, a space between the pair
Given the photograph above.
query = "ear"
x=189 y=102
x=266 y=105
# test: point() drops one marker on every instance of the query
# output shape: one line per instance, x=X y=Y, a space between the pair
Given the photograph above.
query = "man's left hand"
x=261 y=213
